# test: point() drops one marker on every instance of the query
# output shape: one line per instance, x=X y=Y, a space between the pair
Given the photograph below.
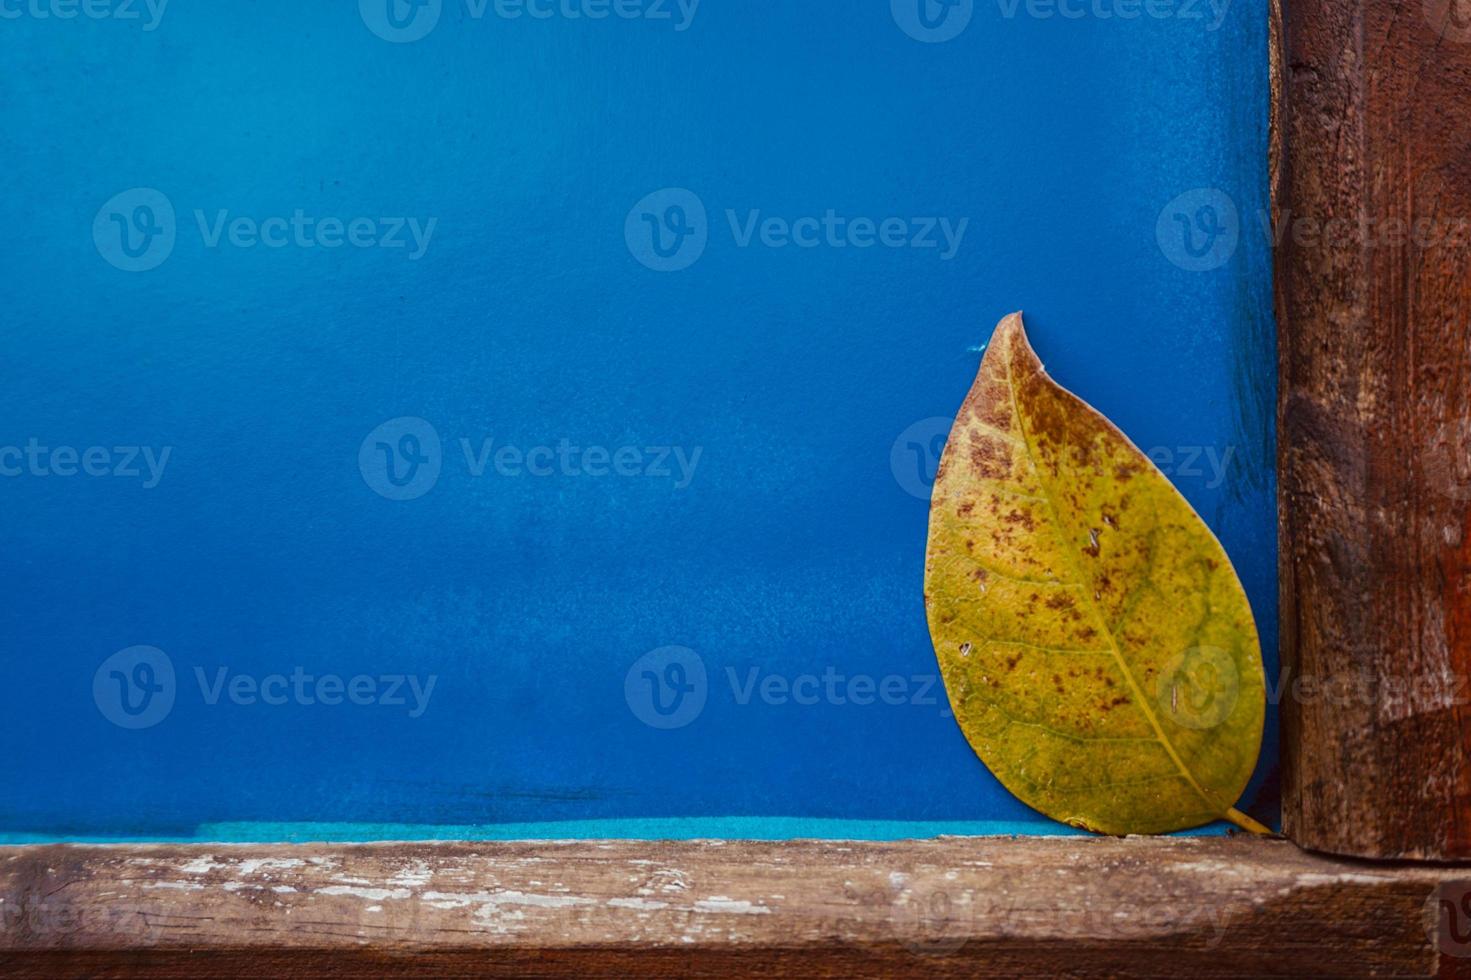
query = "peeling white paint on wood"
x=371 y=894
x=933 y=897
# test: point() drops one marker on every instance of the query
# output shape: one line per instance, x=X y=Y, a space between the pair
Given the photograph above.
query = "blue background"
x=794 y=548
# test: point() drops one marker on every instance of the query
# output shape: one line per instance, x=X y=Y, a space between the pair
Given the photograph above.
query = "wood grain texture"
x=1374 y=294
x=1201 y=907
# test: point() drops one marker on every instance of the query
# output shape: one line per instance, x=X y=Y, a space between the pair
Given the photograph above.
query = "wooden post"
x=1374 y=296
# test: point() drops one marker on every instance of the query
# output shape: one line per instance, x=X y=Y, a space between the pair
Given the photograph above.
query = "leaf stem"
x=1246 y=823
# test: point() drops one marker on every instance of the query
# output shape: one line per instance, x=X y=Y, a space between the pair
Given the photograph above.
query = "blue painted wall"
x=1105 y=174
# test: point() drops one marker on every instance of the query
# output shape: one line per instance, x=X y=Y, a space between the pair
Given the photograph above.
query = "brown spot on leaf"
x=987 y=458
x=1099 y=486
x=1022 y=517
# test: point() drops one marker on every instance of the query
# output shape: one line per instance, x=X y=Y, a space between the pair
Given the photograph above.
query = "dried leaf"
x=1098 y=649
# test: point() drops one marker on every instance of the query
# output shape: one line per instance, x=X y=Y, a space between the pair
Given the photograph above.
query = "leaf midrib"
x=1077 y=573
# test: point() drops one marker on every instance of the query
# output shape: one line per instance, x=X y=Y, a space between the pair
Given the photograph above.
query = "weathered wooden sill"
x=973 y=907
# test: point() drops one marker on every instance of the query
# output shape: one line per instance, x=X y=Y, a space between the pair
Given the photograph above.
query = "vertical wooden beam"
x=1374 y=419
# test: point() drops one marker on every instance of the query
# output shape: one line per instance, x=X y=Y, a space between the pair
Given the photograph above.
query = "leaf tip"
x=1010 y=340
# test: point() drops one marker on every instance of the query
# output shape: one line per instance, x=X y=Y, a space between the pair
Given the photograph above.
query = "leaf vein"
x=1012 y=719
x=1123 y=665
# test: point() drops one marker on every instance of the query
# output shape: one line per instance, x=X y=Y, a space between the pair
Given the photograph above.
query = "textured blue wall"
x=783 y=533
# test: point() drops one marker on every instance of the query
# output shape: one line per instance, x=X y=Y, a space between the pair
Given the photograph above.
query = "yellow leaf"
x=1097 y=647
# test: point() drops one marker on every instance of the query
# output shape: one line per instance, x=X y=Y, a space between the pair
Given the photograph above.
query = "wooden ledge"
x=1198 y=907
